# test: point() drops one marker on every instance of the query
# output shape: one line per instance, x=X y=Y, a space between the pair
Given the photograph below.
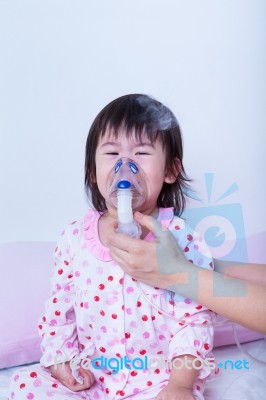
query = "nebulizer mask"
x=127 y=192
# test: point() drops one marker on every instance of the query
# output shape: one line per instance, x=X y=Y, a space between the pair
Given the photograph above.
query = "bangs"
x=140 y=133
x=131 y=116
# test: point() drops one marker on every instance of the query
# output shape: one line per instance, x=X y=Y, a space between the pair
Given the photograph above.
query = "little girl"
x=105 y=335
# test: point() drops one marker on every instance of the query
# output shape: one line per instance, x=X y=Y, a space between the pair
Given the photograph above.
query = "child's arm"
x=58 y=327
x=58 y=324
x=183 y=372
x=180 y=385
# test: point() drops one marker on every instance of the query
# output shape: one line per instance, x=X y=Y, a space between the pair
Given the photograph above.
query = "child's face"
x=150 y=156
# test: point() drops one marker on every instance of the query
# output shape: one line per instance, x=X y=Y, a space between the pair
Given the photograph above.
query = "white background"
x=62 y=61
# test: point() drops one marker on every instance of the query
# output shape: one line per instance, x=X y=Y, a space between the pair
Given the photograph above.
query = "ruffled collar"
x=91 y=232
x=91 y=236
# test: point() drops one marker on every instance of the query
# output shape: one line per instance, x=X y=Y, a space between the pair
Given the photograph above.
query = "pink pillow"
x=224 y=334
x=24 y=286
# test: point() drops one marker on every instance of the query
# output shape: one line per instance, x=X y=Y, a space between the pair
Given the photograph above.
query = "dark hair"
x=136 y=114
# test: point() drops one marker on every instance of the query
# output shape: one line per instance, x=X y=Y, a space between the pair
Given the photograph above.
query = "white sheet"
x=233 y=384
x=240 y=384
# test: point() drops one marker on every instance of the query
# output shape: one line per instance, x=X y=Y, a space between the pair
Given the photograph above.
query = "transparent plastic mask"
x=127 y=191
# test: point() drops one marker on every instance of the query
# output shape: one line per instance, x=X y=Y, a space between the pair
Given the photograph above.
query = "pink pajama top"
x=128 y=330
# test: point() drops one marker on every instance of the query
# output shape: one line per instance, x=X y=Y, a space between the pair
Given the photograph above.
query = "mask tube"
x=127 y=193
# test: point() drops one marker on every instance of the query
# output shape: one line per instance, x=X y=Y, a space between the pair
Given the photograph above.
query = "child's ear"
x=172 y=174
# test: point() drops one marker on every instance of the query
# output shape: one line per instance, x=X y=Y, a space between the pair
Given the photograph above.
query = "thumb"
x=111 y=227
x=150 y=223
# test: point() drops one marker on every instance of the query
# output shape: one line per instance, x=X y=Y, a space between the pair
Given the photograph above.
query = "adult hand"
x=63 y=373
x=151 y=262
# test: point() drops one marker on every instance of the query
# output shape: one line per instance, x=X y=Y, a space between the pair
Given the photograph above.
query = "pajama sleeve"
x=58 y=325
x=192 y=331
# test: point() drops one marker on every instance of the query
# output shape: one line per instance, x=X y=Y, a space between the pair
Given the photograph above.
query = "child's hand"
x=174 y=392
x=63 y=373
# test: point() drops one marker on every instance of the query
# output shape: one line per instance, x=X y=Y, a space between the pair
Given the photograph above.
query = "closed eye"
x=140 y=153
x=113 y=153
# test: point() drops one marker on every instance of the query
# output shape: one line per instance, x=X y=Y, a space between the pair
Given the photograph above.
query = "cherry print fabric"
x=97 y=311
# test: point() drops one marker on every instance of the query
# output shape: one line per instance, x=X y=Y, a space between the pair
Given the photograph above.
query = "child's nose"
x=127 y=154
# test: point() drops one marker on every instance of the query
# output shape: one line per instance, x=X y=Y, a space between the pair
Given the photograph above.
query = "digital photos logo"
x=221 y=225
x=147 y=364
x=234 y=364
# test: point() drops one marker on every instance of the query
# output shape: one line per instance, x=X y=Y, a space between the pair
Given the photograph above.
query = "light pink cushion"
x=224 y=333
x=24 y=287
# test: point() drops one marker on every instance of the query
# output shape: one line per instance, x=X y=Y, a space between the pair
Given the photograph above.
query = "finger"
x=118 y=256
x=111 y=228
x=79 y=386
x=123 y=242
x=66 y=377
x=87 y=375
x=71 y=380
x=150 y=223
x=131 y=258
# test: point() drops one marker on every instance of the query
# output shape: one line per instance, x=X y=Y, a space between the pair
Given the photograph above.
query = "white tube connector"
x=127 y=191
x=124 y=206
x=126 y=223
